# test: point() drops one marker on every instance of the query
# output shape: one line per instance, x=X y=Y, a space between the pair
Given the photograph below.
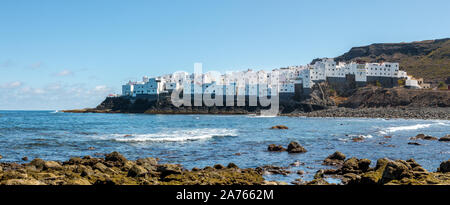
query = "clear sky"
x=70 y=54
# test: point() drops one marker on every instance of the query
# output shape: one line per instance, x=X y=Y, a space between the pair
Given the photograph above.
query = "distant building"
x=288 y=80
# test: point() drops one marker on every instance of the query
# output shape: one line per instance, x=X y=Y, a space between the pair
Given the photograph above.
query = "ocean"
x=205 y=140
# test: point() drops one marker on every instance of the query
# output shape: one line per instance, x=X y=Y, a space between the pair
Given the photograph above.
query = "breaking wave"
x=410 y=127
x=172 y=136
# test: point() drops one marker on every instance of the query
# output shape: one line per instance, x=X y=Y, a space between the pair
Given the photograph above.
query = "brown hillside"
x=426 y=59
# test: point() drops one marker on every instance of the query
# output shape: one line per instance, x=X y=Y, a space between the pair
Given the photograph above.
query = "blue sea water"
x=205 y=140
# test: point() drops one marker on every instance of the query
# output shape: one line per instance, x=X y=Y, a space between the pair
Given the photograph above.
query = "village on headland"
x=288 y=82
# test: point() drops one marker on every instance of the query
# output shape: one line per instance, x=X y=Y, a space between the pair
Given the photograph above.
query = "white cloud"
x=64 y=73
x=53 y=96
x=10 y=85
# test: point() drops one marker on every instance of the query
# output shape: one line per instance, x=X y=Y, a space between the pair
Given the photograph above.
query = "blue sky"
x=71 y=54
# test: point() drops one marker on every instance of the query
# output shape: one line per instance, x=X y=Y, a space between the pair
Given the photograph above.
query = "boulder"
x=275 y=148
x=295 y=147
x=52 y=165
x=1 y=157
x=167 y=169
x=355 y=165
x=232 y=165
x=335 y=159
x=86 y=171
x=99 y=166
x=38 y=163
x=423 y=137
x=116 y=158
x=218 y=166
x=396 y=170
x=279 y=127
x=414 y=143
x=149 y=163
x=25 y=158
x=446 y=138
x=74 y=161
x=445 y=167
x=136 y=171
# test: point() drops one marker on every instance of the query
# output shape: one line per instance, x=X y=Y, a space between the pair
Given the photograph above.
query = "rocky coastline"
x=115 y=169
x=427 y=113
x=365 y=102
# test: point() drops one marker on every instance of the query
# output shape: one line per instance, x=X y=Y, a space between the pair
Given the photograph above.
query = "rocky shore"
x=438 y=113
x=115 y=169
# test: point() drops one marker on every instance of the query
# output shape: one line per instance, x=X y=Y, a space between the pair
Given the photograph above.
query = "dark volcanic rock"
x=275 y=148
x=335 y=159
x=115 y=157
x=423 y=137
x=445 y=138
x=279 y=127
x=444 y=167
x=295 y=147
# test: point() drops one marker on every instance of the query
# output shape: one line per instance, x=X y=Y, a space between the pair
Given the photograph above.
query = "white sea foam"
x=171 y=136
x=411 y=127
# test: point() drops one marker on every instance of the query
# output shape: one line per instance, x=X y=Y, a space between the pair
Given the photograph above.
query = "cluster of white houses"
x=286 y=81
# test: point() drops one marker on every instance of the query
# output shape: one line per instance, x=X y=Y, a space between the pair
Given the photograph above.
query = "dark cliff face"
x=426 y=59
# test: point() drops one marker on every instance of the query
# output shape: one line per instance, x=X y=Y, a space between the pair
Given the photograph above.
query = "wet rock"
x=99 y=166
x=387 y=137
x=73 y=161
x=195 y=169
x=270 y=169
x=116 y=158
x=275 y=148
x=300 y=172
x=136 y=170
x=38 y=163
x=413 y=163
x=444 y=167
x=355 y=165
x=358 y=139
x=91 y=148
x=218 y=166
x=334 y=159
x=232 y=166
x=148 y=163
x=167 y=169
x=1 y=157
x=25 y=158
x=279 y=127
x=52 y=165
x=351 y=178
x=295 y=147
x=86 y=171
x=423 y=137
x=396 y=170
x=446 y=138
x=414 y=143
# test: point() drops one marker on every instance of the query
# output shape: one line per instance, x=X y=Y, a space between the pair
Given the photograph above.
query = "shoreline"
x=424 y=113
x=115 y=169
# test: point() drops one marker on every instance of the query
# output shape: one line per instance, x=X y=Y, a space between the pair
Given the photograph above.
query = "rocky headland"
x=324 y=101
